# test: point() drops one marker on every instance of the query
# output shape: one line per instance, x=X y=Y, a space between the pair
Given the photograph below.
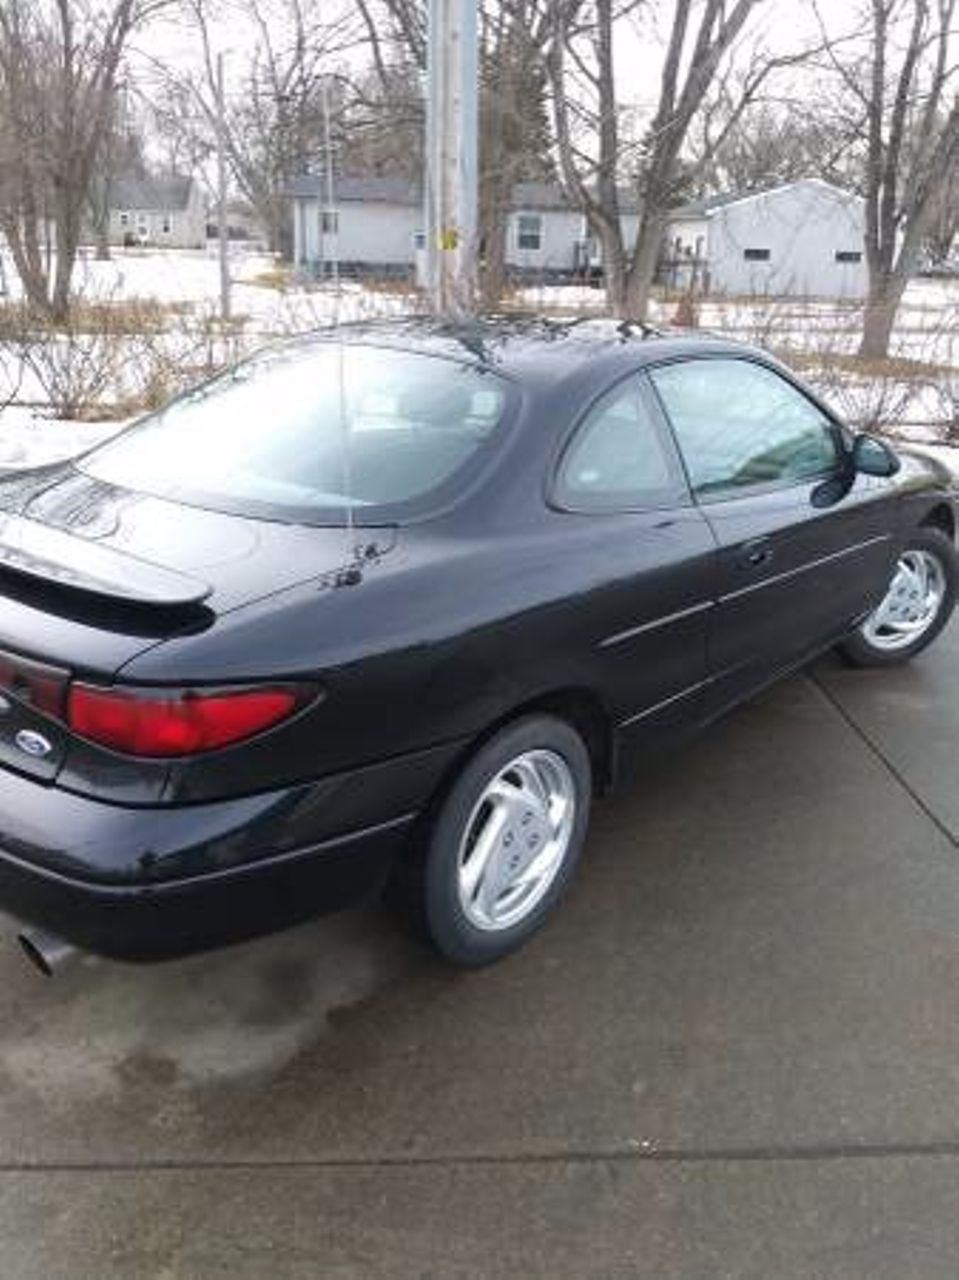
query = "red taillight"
x=145 y=722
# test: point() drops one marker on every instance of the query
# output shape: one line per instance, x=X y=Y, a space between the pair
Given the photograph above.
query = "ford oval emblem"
x=34 y=744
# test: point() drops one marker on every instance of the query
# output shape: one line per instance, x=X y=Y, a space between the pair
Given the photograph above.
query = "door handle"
x=754 y=554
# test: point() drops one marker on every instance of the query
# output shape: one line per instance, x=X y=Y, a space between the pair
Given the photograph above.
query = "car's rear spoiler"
x=52 y=555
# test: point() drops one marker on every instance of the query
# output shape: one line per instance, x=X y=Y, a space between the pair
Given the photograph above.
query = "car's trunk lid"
x=91 y=573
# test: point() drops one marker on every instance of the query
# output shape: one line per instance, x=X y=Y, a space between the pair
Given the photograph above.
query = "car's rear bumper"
x=153 y=883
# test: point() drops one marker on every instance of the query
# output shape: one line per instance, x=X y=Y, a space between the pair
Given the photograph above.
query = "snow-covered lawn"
x=30 y=440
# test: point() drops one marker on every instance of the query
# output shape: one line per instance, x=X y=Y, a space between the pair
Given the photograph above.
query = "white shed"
x=801 y=239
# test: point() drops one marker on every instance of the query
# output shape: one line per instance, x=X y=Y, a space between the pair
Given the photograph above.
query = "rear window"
x=304 y=433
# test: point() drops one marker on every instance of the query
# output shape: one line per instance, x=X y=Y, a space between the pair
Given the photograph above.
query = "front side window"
x=304 y=432
x=756 y=255
x=618 y=460
x=329 y=222
x=739 y=424
x=529 y=231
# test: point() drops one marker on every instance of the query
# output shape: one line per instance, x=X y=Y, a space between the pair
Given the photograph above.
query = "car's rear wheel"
x=917 y=604
x=506 y=839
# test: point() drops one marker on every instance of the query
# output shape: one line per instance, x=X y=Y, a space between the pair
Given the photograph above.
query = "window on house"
x=848 y=255
x=756 y=255
x=419 y=239
x=529 y=231
x=166 y=226
x=124 y=219
x=329 y=222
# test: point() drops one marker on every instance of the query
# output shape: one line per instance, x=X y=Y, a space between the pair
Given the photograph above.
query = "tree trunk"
x=642 y=269
x=493 y=261
x=493 y=217
x=614 y=275
x=67 y=239
x=879 y=317
x=26 y=262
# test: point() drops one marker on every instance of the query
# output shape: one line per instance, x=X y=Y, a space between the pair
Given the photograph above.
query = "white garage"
x=802 y=239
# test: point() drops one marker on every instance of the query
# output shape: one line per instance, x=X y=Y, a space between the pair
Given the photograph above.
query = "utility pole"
x=451 y=164
x=221 y=192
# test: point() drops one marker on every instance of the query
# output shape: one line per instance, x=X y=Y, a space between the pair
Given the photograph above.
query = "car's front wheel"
x=917 y=604
x=506 y=840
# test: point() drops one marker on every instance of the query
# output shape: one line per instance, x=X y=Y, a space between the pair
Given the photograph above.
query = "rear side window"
x=740 y=424
x=618 y=459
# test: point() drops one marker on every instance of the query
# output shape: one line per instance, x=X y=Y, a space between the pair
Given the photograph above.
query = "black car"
x=393 y=604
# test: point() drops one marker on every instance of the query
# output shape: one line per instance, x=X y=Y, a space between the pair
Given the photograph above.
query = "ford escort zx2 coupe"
x=392 y=605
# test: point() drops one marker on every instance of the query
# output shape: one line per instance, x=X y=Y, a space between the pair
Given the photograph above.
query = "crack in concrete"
x=886 y=761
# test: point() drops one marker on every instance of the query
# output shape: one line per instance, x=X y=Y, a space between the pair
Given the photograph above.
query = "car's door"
x=803 y=554
x=639 y=561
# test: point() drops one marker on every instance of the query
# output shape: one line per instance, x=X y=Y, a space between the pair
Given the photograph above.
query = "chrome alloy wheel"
x=911 y=604
x=516 y=839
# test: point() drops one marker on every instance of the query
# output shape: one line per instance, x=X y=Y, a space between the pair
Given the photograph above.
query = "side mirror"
x=872 y=457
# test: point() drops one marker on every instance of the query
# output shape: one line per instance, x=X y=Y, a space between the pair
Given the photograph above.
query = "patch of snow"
x=27 y=440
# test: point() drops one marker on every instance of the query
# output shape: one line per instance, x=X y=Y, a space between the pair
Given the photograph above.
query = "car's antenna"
x=352 y=572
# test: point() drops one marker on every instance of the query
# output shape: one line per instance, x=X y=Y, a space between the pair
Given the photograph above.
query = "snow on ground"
x=28 y=440
x=192 y=277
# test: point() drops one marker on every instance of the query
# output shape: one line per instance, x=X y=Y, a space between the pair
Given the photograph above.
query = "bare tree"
x=778 y=140
x=593 y=154
x=514 y=123
x=59 y=64
x=943 y=222
x=277 y=93
x=902 y=88
x=382 y=123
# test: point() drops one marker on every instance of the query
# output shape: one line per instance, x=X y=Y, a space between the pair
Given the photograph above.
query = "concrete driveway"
x=734 y=1053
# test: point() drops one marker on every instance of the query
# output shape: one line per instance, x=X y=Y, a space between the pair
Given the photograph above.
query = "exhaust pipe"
x=46 y=951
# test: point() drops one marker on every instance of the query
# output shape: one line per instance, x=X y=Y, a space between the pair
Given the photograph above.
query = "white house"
x=376 y=224
x=165 y=210
x=804 y=238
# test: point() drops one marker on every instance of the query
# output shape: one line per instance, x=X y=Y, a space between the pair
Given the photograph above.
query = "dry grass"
x=277 y=277
x=127 y=317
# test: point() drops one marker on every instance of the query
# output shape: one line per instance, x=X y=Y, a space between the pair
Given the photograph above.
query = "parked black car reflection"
x=398 y=603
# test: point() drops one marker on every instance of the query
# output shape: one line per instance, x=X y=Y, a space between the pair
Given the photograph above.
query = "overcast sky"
x=781 y=25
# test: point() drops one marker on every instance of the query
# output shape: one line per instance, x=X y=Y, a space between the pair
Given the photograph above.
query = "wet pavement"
x=734 y=1052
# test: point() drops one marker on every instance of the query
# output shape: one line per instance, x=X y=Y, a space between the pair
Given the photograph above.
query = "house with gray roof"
x=166 y=211
x=375 y=225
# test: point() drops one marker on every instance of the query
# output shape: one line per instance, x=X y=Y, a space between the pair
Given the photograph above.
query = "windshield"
x=304 y=432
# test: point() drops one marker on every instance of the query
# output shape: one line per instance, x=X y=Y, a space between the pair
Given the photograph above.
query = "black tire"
x=858 y=651
x=448 y=926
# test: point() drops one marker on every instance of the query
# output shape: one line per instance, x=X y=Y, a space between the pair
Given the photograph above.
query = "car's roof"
x=533 y=348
